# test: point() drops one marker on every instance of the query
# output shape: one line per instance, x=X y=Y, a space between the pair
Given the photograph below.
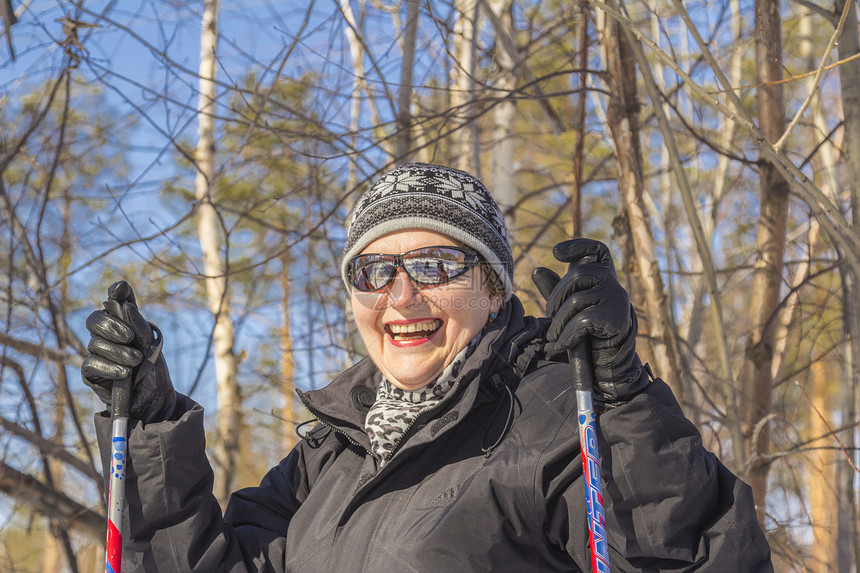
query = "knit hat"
x=435 y=198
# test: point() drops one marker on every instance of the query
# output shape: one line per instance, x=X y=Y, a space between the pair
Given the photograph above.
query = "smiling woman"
x=412 y=331
x=420 y=304
x=454 y=445
x=443 y=292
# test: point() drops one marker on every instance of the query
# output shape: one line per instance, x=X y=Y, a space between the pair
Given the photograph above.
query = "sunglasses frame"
x=473 y=258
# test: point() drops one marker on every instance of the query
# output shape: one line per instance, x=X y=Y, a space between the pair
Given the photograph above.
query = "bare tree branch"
x=41 y=351
x=32 y=493
x=816 y=83
x=56 y=450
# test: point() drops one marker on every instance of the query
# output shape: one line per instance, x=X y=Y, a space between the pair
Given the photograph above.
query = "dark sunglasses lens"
x=437 y=265
x=371 y=272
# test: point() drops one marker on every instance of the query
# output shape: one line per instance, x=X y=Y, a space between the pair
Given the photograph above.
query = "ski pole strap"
x=151 y=355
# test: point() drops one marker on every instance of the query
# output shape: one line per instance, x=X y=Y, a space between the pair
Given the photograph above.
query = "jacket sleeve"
x=173 y=521
x=670 y=504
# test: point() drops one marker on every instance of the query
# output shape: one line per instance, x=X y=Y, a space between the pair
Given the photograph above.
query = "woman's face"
x=443 y=318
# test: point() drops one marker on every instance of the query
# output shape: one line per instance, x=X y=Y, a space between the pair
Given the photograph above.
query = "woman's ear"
x=496 y=304
x=490 y=280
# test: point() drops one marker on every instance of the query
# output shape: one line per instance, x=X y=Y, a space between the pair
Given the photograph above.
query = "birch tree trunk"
x=404 y=118
x=465 y=32
x=288 y=387
x=829 y=185
x=849 y=75
x=624 y=123
x=822 y=480
x=693 y=217
x=355 y=51
x=694 y=321
x=504 y=115
x=579 y=149
x=228 y=418
x=57 y=542
x=52 y=550
x=666 y=191
x=822 y=483
x=848 y=538
x=770 y=240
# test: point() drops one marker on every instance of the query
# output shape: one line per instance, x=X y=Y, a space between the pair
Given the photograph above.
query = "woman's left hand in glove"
x=590 y=303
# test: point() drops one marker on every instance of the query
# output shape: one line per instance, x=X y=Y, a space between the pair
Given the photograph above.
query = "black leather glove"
x=589 y=302
x=124 y=345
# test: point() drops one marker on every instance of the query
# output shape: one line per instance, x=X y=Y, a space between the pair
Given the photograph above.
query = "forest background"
x=209 y=154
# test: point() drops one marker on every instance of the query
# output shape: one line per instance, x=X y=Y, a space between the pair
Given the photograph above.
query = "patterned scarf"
x=396 y=410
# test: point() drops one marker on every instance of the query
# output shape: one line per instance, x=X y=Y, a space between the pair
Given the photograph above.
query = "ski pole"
x=120 y=405
x=580 y=370
x=120 y=400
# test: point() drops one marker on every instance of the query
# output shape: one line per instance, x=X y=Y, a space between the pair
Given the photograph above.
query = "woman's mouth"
x=414 y=330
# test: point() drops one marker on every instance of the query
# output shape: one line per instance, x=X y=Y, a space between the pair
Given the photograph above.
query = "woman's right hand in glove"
x=125 y=345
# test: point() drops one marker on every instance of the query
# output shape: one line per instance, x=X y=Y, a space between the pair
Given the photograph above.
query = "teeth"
x=427 y=325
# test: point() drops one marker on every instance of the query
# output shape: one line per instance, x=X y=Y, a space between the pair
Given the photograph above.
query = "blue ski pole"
x=580 y=370
x=583 y=384
x=120 y=405
x=120 y=399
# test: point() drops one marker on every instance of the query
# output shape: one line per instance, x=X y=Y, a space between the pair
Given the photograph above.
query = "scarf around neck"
x=396 y=410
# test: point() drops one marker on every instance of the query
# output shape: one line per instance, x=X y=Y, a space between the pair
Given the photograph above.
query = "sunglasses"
x=427 y=266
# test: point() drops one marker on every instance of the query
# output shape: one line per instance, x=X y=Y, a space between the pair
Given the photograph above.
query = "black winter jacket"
x=492 y=481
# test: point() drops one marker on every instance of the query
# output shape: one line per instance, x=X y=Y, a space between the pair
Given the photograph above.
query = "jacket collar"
x=507 y=349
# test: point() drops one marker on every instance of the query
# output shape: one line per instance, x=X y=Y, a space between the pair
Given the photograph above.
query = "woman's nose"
x=402 y=291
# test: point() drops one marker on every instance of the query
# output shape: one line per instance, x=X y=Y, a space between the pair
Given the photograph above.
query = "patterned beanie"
x=435 y=198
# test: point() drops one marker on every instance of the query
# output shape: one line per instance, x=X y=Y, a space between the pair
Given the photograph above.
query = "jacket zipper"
x=336 y=430
x=422 y=417
x=331 y=426
x=372 y=477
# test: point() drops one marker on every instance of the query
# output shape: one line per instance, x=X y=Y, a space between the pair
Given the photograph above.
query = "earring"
x=493 y=316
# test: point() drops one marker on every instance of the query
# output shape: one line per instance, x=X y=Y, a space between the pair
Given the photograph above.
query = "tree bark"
x=462 y=99
x=848 y=529
x=288 y=387
x=228 y=417
x=849 y=75
x=404 y=100
x=48 y=501
x=829 y=184
x=770 y=245
x=845 y=237
x=694 y=320
x=356 y=52
x=58 y=543
x=625 y=126
x=504 y=115
x=579 y=148
x=675 y=162
x=822 y=480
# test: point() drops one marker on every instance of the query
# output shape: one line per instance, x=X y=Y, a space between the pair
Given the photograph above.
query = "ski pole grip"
x=580 y=367
x=120 y=398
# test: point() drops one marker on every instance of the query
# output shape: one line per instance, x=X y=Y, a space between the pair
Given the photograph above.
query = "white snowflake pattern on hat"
x=438 y=198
